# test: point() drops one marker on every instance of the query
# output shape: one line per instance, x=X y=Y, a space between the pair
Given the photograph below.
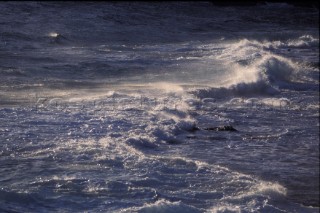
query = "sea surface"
x=130 y=107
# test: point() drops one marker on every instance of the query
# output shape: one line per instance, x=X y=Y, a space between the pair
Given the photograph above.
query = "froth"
x=253 y=68
x=164 y=206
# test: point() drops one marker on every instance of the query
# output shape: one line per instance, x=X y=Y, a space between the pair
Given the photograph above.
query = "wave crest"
x=264 y=77
x=258 y=68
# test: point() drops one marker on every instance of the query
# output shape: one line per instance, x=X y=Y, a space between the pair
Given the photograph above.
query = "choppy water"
x=107 y=107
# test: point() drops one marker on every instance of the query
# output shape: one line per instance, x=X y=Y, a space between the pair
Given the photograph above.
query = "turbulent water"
x=117 y=107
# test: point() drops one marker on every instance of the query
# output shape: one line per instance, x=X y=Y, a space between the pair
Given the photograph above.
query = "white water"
x=99 y=109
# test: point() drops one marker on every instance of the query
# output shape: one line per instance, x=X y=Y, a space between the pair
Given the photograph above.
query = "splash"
x=254 y=68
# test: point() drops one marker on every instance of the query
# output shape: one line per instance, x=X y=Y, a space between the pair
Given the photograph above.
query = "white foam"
x=164 y=206
x=252 y=67
x=267 y=69
x=276 y=102
x=261 y=188
x=53 y=34
x=302 y=41
x=225 y=208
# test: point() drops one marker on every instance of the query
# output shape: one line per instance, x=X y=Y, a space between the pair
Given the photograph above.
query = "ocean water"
x=120 y=107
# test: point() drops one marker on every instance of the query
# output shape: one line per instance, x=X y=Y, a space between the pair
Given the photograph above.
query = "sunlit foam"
x=263 y=188
x=53 y=35
x=251 y=61
x=167 y=87
x=163 y=205
x=225 y=208
x=267 y=68
x=276 y=102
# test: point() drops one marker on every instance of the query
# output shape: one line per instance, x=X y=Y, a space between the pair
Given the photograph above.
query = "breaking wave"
x=259 y=68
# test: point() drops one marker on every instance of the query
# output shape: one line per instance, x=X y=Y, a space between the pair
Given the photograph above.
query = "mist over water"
x=128 y=107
